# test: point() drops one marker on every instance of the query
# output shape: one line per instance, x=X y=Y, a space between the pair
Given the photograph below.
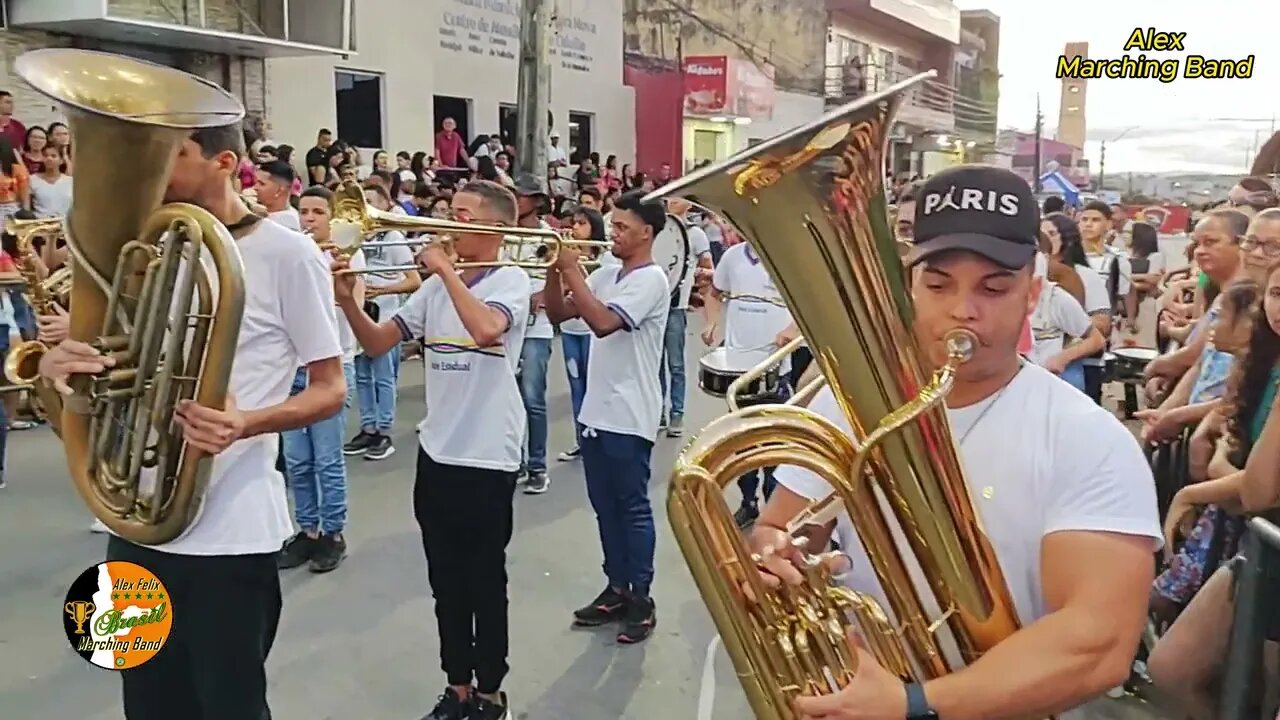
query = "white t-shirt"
x=379 y=253
x=1096 y=300
x=286 y=278
x=1056 y=316
x=539 y=325
x=475 y=417
x=1039 y=458
x=50 y=199
x=1101 y=264
x=699 y=247
x=287 y=217
x=347 y=336
x=754 y=311
x=623 y=394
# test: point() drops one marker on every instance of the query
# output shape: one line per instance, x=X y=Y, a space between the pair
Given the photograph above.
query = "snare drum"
x=1130 y=362
x=715 y=375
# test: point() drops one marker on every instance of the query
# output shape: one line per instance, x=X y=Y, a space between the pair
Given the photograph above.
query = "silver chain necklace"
x=990 y=404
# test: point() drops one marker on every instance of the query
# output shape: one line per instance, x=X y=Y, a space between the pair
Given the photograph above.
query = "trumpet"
x=354 y=220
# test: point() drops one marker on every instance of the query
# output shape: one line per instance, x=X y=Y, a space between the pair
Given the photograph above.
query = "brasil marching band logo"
x=117 y=615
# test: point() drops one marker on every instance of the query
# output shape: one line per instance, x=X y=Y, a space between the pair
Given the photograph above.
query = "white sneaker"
x=97 y=526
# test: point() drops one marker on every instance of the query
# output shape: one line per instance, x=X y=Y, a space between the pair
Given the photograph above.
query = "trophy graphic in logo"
x=80 y=611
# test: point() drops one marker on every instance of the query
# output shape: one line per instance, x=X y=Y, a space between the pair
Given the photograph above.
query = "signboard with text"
x=716 y=85
x=491 y=28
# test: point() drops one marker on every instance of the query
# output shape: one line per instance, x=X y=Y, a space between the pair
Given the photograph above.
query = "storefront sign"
x=715 y=85
x=491 y=28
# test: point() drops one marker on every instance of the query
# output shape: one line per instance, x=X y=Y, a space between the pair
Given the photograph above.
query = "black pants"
x=800 y=360
x=226 y=609
x=1093 y=375
x=466 y=520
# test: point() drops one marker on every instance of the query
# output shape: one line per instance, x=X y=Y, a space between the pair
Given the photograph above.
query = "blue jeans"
x=617 y=473
x=316 y=469
x=577 y=350
x=1074 y=375
x=534 y=357
x=23 y=314
x=376 y=390
x=673 y=360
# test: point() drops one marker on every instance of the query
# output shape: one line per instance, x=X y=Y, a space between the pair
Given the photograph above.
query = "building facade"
x=1072 y=126
x=379 y=73
x=742 y=70
x=874 y=44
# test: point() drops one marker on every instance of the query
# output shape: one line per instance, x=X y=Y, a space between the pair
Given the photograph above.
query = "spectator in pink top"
x=451 y=149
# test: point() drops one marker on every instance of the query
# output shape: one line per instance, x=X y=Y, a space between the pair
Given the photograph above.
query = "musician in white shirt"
x=699 y=258
x=745 y=302
x=314 y=464
x=472 y=324
x=1061 y=488
x=273 y=184
x=626 y=308
x=221 y=572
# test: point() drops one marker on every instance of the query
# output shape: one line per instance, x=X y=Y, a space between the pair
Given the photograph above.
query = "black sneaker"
x=640 y=620
x=571 y=454
x=675 y=428
x=449 y=707
x=537 y=483
x=329 y=554
x=297 y=550
x=359 y=444
x=608 y=606
x=746 y=515
x=482 y=709
x=380 y=449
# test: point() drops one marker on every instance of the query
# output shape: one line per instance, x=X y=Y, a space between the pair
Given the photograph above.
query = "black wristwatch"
x=917 y=704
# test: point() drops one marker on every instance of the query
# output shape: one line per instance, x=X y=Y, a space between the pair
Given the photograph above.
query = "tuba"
x=812 y=205
x=159 y=288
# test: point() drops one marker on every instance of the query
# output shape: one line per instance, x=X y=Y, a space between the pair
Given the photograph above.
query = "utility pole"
x=534 y=91
x=1102 y=166
x=1039 y=133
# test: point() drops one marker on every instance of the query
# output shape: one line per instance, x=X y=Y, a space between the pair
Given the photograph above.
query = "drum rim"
x=1136 y=353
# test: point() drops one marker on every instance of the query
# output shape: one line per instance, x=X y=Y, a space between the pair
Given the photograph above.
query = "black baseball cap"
x=979 y=208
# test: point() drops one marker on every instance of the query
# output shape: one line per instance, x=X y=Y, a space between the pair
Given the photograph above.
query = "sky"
x=1181 y=126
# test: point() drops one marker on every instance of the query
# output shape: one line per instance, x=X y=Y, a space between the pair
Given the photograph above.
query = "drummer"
x=753 y=327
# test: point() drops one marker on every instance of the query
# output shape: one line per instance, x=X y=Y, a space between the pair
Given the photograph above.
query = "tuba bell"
x=811 y=203
x=159 y=288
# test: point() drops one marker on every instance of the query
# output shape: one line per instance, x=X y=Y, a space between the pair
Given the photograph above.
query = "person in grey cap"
x=1061 y=487
x=531 y=196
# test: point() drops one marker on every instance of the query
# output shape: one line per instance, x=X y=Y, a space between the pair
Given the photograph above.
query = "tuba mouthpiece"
x=960 y=346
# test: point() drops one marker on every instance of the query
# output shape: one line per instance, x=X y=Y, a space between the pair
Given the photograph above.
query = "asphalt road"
x=359 y=643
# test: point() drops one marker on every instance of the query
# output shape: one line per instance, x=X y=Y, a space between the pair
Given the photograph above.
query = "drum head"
x=1143 y=355
x=671 y=252
x=717 y=361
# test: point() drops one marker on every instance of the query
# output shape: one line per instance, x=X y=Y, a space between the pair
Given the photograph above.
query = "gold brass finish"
x=354 y=220
x=812 y=205
x=157 y=287
x=22 y=364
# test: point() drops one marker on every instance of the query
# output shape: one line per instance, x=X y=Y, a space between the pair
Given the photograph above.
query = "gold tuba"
x=158 y=288
x=812 y=205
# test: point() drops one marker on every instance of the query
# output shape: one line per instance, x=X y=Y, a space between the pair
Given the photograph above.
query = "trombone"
x=354 y=220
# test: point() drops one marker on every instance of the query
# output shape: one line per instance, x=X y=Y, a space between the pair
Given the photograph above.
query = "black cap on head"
x=982 y=209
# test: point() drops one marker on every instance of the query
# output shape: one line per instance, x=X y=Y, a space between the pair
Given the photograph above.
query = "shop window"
x=580 y=145
x=359 y=101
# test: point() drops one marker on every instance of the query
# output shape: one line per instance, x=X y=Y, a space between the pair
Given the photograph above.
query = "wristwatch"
x=917 y=705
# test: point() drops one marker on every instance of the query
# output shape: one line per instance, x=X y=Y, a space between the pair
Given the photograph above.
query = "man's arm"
x=602 y=320
x=1096 y=585
x=559 y=308
x=324 y=396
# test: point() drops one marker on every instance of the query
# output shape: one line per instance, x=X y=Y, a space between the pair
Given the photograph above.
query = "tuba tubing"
x=131 y=297
x=812 y=205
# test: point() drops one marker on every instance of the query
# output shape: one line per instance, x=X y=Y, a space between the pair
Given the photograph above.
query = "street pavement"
x=360 y=643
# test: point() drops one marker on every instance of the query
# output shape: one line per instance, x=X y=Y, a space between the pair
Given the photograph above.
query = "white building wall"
x=423 y=48
x=790 y=110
